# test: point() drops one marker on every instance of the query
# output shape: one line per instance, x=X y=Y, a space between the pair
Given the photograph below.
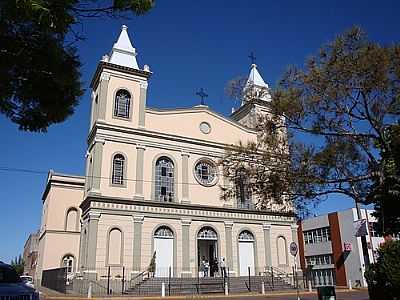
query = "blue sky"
x=188 y=45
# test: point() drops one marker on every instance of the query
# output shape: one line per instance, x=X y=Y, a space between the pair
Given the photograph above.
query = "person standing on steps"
x=223 y=267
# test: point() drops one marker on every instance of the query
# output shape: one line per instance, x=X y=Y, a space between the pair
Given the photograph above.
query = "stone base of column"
x=138 y=198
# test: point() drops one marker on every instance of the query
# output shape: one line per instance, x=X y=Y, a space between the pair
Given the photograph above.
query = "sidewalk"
x=341 y=294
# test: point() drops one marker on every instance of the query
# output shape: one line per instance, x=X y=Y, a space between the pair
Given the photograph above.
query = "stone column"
x=186 y=248
x=139 y=172
x=229 y=246
x=102 y=94
x=137 y=243
x=267 y=244
x=142 y=103
x=185 y=178
x=91 y=248
x=96 y=165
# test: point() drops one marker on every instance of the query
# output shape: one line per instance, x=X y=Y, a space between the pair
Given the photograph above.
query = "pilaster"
x=185 y=178
x=139 y=172
x=137 y=243
x=96 y=167
x=229 y=245
x=142 y=103
x=267 y=244
x=91 y=251
x=103 y=89
x=186 y=248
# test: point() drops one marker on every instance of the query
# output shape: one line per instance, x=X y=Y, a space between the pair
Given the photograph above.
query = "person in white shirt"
x=223 y=267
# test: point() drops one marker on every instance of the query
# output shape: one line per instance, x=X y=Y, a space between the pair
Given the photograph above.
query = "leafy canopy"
x=39 y=66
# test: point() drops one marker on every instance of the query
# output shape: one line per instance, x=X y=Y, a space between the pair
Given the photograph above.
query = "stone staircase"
x=208 y=285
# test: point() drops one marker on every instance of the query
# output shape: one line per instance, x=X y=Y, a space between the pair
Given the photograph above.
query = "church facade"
x=152 y=187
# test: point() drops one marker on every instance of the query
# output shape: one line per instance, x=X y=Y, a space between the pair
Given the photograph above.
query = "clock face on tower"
x=206 y=173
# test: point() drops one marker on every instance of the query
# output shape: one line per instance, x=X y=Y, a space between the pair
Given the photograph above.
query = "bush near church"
x=383 y=277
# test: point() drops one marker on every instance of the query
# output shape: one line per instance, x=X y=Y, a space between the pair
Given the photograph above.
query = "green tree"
x=383 y=277
x=385 y=192
x=18 y=264
x=39 y=66
x=336 y=110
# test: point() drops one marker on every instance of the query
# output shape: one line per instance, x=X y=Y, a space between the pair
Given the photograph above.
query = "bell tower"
x=119 y=87
x=256 y=98
x=119 y=91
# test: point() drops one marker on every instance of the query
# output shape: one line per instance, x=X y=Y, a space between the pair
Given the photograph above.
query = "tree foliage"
x=39 y=66
x=18 y=264
x=336 y=110
x=383 y=277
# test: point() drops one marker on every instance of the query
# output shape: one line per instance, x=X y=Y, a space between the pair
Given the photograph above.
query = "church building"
x=152 y=187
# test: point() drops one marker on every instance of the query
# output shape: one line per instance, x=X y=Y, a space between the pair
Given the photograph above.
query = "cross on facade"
x=252 y=58
x=202 y=95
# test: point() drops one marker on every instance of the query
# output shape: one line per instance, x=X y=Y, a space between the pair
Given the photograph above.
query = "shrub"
x=383 y=277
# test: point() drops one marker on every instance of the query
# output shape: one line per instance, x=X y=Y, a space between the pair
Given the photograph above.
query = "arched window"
x=164 y=180
x=282 y=250
x=207 y=233
x=118 y=169
x=115 y=247
x=122 y=104
x=164 y=232
x=68 y=262
x=246 y=236
x=71 y=221
x=243 y=192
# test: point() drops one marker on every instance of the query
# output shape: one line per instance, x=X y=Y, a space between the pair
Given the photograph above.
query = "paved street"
x=356 y=295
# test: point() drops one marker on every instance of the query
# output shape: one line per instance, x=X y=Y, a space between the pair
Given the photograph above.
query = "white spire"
x=255 y=87
x=123 y=53
x=255 y=78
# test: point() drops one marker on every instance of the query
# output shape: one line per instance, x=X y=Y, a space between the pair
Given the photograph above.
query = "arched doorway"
x=207 y=252
x=164 y=249
x=246 y=253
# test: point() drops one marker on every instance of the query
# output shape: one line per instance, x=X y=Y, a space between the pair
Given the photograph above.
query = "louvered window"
x=122 y=104
x=118 y=169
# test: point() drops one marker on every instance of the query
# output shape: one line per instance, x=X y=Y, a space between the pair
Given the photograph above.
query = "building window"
x=246 y=235
x=122 y=104
x=164 y=232
x=68 y=262
x=318 y=260
x=318 y=235
x=71 y=222
x=206 y=172
x=118 y=169
x=207 y=233
x=243 y=193
x=164 y=180
x=114 y=247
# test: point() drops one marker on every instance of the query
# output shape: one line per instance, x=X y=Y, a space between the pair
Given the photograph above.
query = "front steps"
x=208 y=285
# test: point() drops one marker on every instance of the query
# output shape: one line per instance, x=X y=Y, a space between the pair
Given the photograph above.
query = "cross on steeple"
x=202 y=95
x=252 y=58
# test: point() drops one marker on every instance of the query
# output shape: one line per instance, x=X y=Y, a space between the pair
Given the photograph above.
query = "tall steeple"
x=255 y=87
x=123 y=53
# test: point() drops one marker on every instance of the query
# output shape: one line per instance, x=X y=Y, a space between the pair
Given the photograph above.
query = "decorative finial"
x=105 y=58
x=202 y=95
x=146 y=68
x=124 y=27
x=252 y=58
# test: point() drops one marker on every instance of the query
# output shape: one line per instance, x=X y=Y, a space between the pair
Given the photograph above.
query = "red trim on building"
x=300 y=238
x=337 y=249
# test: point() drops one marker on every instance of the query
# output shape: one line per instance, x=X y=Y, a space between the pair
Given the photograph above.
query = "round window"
x=205 y=127
x=206 y=172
